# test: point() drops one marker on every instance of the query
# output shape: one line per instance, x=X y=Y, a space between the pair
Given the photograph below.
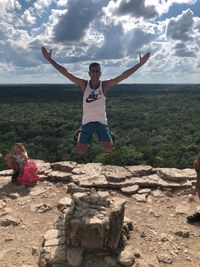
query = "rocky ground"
x=158 y=202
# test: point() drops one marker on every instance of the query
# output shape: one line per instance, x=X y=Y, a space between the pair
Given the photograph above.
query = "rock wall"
x=129 y=180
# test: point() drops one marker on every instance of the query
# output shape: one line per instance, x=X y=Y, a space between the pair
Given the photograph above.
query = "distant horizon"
x=8 y=84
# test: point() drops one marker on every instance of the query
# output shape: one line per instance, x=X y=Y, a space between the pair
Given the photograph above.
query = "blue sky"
x=112 y=33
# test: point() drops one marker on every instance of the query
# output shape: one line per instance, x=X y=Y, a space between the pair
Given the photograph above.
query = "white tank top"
x=94 y=106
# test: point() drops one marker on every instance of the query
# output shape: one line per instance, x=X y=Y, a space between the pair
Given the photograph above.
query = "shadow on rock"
x=194 y=219
x=10 y=188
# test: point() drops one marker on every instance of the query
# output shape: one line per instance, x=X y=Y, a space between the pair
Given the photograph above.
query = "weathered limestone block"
x=74 y=256
x=64 y=166
x=53 y=253
x=116 y=223
x=53 y=256
x=130 y=190
x=141 y=170
x=64 y=203
x=173 y=174
x=127 y=257
x=9 y=220
x=2 y=204
x=6 y=173
x=93 y=232
x=60 y=176
x=43 y=167
x=116 y=173
x=73 y=188
x=97 y=181
x=90 y=169
x=94 y=223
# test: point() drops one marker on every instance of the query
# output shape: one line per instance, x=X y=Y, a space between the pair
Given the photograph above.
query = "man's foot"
x=80 y=159
x=194 y=218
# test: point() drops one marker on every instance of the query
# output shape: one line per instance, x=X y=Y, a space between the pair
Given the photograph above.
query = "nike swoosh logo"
x=88 y=99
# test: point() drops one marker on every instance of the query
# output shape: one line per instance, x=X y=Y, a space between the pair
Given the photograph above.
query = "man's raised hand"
x=46 y=54
x=144 y=58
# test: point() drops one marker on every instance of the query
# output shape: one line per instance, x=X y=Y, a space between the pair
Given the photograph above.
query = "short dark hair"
x=94 y=64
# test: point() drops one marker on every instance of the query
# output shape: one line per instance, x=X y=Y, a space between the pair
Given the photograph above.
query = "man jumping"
x=94 y=118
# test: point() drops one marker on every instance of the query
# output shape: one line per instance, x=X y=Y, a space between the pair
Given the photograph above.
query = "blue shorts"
x=87 y=131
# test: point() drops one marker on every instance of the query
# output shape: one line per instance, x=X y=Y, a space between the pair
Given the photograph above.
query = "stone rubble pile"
x=91 y=230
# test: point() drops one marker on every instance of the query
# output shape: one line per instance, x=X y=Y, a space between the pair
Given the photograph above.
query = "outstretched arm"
x=64 y=71
x=127 y=72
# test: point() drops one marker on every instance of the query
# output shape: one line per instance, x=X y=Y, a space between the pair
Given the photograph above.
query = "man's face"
x=95 y=72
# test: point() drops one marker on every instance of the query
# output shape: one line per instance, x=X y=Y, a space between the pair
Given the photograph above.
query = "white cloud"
x=133 y=8
x=113 y=45
x=73 y=25
x=27 y=18
x=186 y=50
x=162 y=6
x=83 y=30
x=47 y=34
x=61 y=3
x=181 y=28
x=20 y=39
x=7 y=8
x=138 y=40
x=39 y=5
x=12 y=4
x=4 y=66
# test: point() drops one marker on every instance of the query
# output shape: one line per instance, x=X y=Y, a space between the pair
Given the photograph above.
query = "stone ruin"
x=93 y=232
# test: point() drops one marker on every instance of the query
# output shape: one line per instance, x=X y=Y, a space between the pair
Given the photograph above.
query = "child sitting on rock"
x=25 y=170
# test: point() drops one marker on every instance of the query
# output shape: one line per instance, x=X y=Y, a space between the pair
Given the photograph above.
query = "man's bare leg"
x=81 y=148
x=107 y=146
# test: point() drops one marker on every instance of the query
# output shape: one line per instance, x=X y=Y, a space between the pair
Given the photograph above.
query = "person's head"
x=18 y=148
x=94 y=70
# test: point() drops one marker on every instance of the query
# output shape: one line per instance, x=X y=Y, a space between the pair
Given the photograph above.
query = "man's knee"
x=107 y=146
x=81 y=148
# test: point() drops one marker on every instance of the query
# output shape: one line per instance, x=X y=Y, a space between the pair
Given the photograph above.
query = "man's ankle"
x=80 y=158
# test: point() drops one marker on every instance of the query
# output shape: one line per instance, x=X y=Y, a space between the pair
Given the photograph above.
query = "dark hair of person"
x=94 y=64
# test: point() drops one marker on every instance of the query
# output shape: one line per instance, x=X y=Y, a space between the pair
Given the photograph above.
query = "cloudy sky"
x=111 y=32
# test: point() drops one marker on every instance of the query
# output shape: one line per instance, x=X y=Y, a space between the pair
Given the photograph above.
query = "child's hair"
x=19 y=145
